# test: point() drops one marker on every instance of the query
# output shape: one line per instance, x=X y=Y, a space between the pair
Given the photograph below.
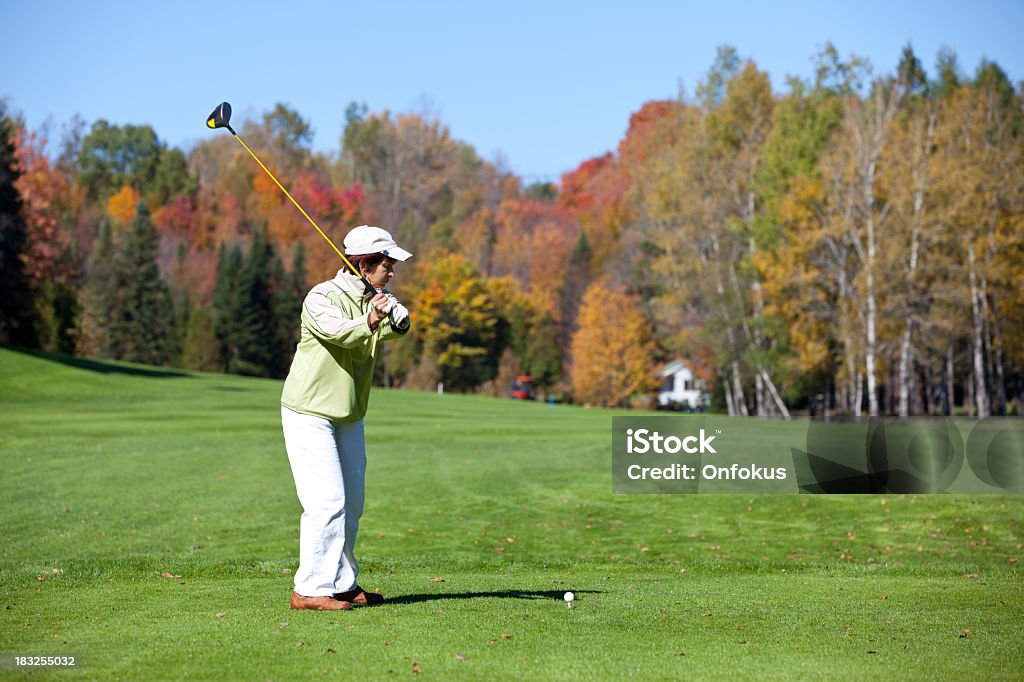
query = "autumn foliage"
x=121 y=207
x=850 y=240
x=42 y=190
x=611 y=350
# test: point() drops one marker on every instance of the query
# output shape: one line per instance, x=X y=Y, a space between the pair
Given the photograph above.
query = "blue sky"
x=545 y=84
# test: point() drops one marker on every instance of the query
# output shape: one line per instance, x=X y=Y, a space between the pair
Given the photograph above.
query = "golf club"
x=220 y=117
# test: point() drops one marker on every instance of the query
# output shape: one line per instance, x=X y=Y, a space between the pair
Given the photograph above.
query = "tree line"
x=854 y=242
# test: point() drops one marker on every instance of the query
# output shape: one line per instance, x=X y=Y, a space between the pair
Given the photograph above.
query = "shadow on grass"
x=100 y=366
x=555 y=595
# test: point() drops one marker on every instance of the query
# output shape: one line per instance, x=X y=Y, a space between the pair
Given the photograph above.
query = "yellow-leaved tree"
x=453 y=333
x=612 y=350
x=122 y=206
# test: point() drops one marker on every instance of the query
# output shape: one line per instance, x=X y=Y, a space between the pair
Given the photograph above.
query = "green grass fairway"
x=150 y=525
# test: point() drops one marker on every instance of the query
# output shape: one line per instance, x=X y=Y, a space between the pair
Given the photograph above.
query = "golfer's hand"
x=399 y=313
x=379 y=306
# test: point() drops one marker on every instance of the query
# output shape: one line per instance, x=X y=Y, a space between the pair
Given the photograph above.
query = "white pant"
x=329 y=467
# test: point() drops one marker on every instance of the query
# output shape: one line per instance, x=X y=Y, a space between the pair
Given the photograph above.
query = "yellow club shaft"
x=302 y=210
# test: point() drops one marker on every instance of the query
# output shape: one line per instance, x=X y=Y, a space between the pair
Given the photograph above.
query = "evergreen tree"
x=544 y=351
x=910 y=73
x=16 y=303
x=255 y=329
x=576 y=283
x=289 y=291
x=948 y=76
x=99 y=300
x=67 y=308
x=182 y=297
x=993 y=80
x=582 y=253
x=226 y=303
x=200 y=347
x=245 y=309
x=144 y=323
x=542 y=191
x=182 y=313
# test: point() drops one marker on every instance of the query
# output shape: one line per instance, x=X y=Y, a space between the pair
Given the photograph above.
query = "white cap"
x=366 y=239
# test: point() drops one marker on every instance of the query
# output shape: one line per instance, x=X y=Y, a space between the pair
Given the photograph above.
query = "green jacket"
x=332 y=370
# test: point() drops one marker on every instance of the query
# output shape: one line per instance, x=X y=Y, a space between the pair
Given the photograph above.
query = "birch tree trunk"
x=779 y=404
x=763 y=374
x=919 y=177
x=869 y=350
x=737 y=387
x=852 y=392
x=904 y=372
x=969 y=397
x=729 y=405
x=980 y=391
x=858 y=397
x=868 y=130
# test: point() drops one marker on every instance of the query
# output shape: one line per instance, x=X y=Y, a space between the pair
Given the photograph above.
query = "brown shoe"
x=319 y=603
x=361 y=597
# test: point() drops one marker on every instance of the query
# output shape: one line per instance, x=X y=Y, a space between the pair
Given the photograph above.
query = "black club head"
x=220 y=117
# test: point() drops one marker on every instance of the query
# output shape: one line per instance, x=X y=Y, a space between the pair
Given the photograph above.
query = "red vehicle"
x=523 y=388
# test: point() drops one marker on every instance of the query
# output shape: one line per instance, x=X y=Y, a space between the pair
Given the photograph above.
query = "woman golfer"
x=322 y=408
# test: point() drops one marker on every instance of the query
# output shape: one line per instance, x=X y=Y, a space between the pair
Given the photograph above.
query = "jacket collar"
x=350 y=284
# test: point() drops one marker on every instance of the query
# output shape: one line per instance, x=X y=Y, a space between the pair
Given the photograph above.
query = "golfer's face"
x=382 y=274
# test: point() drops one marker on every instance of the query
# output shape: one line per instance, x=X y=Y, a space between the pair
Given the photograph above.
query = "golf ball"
x=569 y=596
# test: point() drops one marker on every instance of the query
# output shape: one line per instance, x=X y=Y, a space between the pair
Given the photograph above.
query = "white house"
x=678 y=389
